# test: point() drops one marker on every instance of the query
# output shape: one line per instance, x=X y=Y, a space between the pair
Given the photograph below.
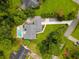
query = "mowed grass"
x=49 y=6
x=76 y=32
x=42 y=36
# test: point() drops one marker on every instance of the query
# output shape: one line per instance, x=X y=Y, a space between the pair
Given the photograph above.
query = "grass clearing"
x=49 y=6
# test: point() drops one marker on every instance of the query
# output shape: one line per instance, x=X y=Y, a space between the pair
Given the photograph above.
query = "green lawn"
x=76 y=32
x=49 y=6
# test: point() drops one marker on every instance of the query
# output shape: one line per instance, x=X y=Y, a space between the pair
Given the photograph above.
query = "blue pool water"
x=19 y=33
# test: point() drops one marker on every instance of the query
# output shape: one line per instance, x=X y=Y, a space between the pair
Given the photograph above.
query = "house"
x=30 y=28
x=21 y=53
x=30 y=32
x=30 y=3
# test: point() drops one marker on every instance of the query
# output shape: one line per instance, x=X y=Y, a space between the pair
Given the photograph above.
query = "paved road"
x=71 y=28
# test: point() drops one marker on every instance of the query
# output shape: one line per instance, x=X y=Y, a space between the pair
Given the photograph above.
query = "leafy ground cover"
x=76 y=32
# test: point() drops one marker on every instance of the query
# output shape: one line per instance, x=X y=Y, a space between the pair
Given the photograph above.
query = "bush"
x=70 y=16
x=50 y=45
x=47 y=15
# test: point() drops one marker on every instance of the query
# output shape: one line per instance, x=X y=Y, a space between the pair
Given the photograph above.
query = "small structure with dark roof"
x=30 y=3
x=21 y=53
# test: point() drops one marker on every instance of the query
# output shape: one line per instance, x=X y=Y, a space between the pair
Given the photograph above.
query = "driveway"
x=48 y=21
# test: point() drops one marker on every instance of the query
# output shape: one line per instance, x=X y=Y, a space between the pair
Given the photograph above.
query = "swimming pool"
x=19 y=32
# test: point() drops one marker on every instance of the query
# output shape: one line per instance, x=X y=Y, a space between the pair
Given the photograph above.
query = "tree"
x=50 y=45
x=75 y=53
x=71 y=15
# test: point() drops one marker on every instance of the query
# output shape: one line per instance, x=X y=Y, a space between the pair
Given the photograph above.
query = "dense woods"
x=10 y=17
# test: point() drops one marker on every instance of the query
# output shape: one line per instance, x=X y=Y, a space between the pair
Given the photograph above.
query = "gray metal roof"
x=37 y=22
x=30 y=32
x=30 y=36
x=32 y=29
x=20 y=53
